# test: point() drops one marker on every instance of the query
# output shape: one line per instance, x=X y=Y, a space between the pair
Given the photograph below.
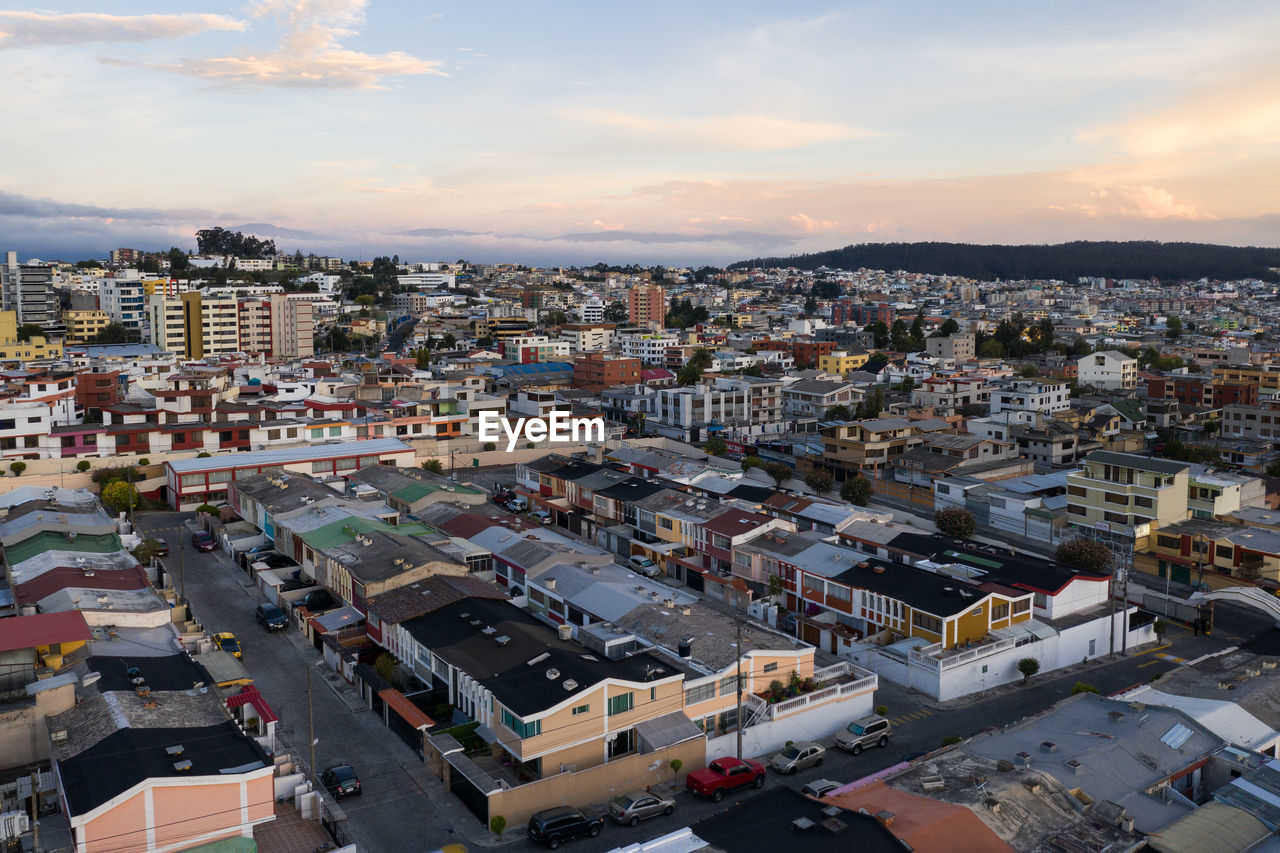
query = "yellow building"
x=841 y=362
x=195 y=325
x=34 y=349
x=1122 y=497
x=84 y=326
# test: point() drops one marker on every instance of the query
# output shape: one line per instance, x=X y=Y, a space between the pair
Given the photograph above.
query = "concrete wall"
x=816 y=723
x=24 y=737
x=597 y=784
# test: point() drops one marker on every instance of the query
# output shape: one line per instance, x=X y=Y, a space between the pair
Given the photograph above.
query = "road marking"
x=1150 y=663
x=1150 y=651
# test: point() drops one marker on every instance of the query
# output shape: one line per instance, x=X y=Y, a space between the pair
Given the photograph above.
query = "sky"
x=666 y=132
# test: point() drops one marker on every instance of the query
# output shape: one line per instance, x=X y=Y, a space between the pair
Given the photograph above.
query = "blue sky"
x=668 y=132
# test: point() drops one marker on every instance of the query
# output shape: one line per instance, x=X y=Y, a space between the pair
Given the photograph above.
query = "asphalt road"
x=402 y=807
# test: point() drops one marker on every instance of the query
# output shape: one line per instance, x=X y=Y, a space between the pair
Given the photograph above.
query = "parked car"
x=317 y=599
x=724 y=775
x=797 y=757
x=341 y=781
x=271 y=617
x=819 y=788
x=864 y=732
x=502 y=497
x=636 y=806
x=227 y=642
x=518 y=503
x=563 y=823
x=541 y=516
x=203 y=541
x=159 y=547
x=643 y=565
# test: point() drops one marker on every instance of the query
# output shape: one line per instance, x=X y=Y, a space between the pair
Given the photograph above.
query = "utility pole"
x=182 y=565
x=35 y=809
x=311 y=730
x=739 y=717
x=1124 y=601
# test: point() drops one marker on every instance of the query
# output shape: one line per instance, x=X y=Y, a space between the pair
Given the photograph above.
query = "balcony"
x=937 y=658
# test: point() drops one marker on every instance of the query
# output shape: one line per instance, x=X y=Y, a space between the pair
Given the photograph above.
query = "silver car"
x=798 y=756
x=636 y=806
x=819 y=788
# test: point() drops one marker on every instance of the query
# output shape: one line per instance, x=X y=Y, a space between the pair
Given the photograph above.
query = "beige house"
x=1127 y=496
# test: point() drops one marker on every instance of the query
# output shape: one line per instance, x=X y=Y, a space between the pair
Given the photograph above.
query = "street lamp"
x=1200 y=544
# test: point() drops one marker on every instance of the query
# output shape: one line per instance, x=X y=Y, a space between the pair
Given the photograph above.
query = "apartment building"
x=1031 y=396
x=947 y=394
x=595 y=371
x=534 y=349
x=647 y=306
x=746 y=405
x=254 y=325
x=1258 y=421
x=587 y=336
x=955 y=348
x=869 y=445
x=1126 y=497
x=83 y=326
x=1108 y=370
x=650 y=349
x=125 y=302
x=27 y=290
x=35 y=348
x=1265 y=376
x=811 y=398
x=841 y=362
x=1202 y=391
x=210 y=325
x=292 y=326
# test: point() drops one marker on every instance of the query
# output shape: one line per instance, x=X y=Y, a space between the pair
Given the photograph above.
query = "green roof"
x=971 y=558
x=99 y=543
x=344 y=530
x=417 y=491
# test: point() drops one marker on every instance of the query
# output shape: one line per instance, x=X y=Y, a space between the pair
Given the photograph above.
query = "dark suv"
x=317 y=600
x=271 y=617
x=563 y=823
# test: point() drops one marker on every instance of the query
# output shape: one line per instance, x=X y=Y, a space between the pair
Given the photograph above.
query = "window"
x=772 y=666
x=1225 y=551
x=581 y=709
x=701 y=693
x=925 y=622
x=1076 y=509
x=664 y=522
x=999 y=611
x=192 y=480
x=520 y=727
x=1116 y=517
x=1112 y=498
x=1042 y=600
x=728 y=684
x=1171 y=542
x=1140 y=501
x=839 y=593
x=653 y=694
x=621 y=704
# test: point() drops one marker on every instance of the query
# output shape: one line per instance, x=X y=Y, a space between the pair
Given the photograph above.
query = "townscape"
x=909 y=558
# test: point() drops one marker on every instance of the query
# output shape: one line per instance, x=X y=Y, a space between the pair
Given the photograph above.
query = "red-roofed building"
x=44 y=641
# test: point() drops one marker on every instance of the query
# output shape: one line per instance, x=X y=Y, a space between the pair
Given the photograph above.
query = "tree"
x=83 y=465
x=955 y=522
x=17 y=468
x=779 y=472
x=116 y=333
x=1085 y=554
x=880 y=333
x=675 y=764
x=991 y=348
x=899 y=336
x=1043 y=334
x=948 y=328
x=1172 y=327
x=616 y=312
x=119 y=496
x=818 y=480
x=1273 y=470
x=916 y=336
x=752 y=462
x=1028 y=667
x=856 y=490
x=1158 y=627
x=839 y=412
x=715 y=446
x=1250 y=568
x=448 y=341
x=775 y=585
x=366 y=300
x=810 y=305
x=435 y=466
x=29 y=330
x=554 y=317
x=1028 y=370
x=701 y=359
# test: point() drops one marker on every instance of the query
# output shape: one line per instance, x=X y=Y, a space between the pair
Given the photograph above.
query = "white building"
x=591 y=311
x=1031 y=396
x=649 y=348
x=1108 y=370
x=587 y=338
x=428 y=279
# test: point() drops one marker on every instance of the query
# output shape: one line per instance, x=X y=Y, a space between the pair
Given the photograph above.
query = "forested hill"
x=1064 y=261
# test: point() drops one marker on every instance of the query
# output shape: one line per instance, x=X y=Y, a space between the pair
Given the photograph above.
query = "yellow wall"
x=842 y=363
x=8 y=326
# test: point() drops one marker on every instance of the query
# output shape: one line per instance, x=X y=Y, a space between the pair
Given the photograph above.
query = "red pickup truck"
x=725 y=774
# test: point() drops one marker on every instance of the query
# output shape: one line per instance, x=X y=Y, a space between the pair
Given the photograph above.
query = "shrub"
x=203 y=455
x=490 y=446
x=1028 y=667
x=1081 y=687
x=675 y=766
x=956 y=523
x=207 y=509
x=144 y=461
x=751 y=462
x=119 y=496
x=102 y=476
x=779 y=472
x=1159 y=627
x=856 y=490
x=777 y=688
x=819 y=481
x=715 y=446
x=83 y=465
x=882 y=709
x=951 y=740
x=435 y=466
x=498 y=824
x=17 y=468
x=1085 y=554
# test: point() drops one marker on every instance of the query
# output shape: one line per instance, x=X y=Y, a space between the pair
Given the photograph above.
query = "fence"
x=819 y=697
x=917 y=495
x=925 y=655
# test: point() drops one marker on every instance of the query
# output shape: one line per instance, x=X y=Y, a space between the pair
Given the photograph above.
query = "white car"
x=541 y=516
x=644 y=566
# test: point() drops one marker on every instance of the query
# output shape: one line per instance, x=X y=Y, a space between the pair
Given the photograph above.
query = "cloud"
x=739 y=132
x=37 y=29
x=308 y=53
x=13 y=204
x=608 y=227
x=808 y=224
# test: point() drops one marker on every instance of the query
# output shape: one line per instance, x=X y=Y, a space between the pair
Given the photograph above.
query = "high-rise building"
x=292 y=326
x=195 y=325
x=124 y=300
x=255 y=326
x=27 y=290
x=126 y=257
x=647 y=305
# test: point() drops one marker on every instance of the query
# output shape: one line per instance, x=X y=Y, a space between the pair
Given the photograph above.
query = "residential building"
x=647 y=306
x=292 y=327
x=650 y=349
x=587 y=337
x=595 y=371
x=956 y=347
x=841 y=362
x=84 y=326
x=811 y=398
x=254 y=325
x=1123 y=498
x=1108 y=370
x=1031 y=396
x=125 y=301
x=35 y=348
x=27 y=290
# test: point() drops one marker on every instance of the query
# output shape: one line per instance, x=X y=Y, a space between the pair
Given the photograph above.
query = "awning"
x=408 y=711
x=343 y=617
x=667 y=730
x=249 y=695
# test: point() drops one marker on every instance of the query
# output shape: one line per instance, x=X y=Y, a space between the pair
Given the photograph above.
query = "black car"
x=563 y=823
x=317 y=599
x=271 y=617
x=341 y=781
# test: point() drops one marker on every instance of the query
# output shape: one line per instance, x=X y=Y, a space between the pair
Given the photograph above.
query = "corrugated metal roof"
x=287 y=455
